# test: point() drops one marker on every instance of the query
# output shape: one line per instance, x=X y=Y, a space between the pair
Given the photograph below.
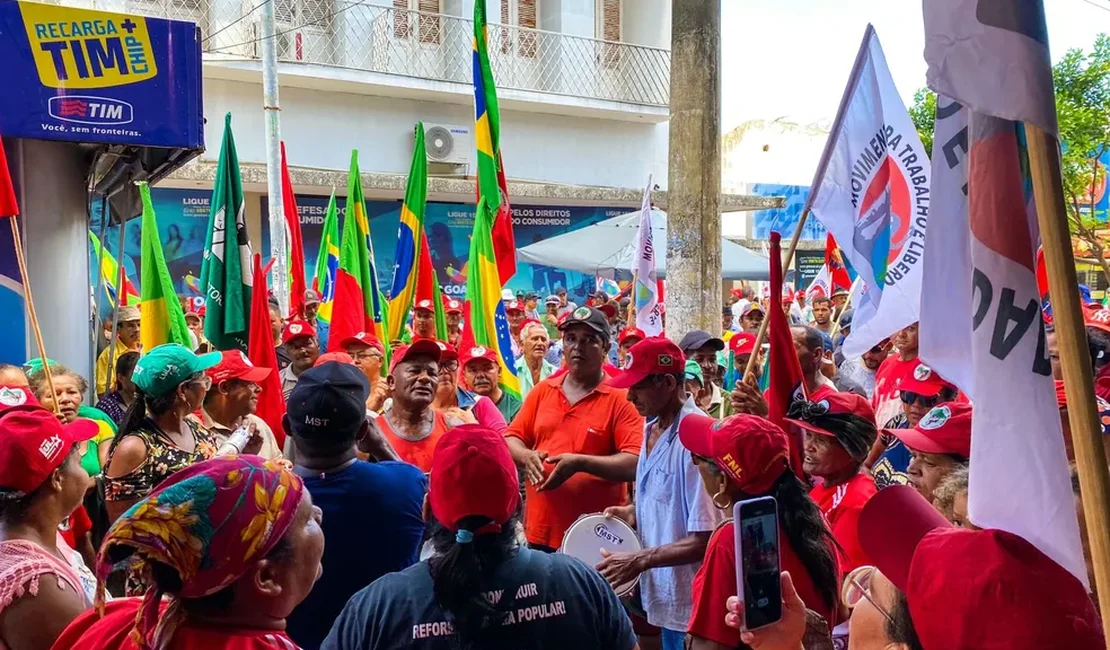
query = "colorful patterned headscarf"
x=210 y=522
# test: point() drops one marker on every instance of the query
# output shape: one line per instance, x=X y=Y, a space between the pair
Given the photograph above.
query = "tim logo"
x=86 y=109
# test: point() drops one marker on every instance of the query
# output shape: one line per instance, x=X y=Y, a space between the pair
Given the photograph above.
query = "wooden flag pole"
x=22 y=263
x=1071 y=335
x=762 y=334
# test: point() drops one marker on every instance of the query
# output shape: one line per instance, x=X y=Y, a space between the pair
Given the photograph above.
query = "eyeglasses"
x=448 y=366
x=202 y=380
x=857 y=587
x=922 y=400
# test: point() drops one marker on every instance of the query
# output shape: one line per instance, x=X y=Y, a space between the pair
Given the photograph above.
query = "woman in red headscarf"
x=233 y=542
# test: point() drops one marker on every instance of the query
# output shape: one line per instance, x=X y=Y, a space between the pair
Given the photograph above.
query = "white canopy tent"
x=610 y=245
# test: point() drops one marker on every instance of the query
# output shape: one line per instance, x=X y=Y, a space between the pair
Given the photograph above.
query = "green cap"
x=693 y=371
x=164 y=368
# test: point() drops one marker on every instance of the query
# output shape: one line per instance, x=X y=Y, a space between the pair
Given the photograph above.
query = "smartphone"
x=756 y=524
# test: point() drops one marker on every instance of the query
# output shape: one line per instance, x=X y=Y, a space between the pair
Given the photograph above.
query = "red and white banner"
x=871 y=192
x=981 y=323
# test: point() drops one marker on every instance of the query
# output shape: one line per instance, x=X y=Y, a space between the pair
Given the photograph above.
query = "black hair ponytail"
x=809 y=535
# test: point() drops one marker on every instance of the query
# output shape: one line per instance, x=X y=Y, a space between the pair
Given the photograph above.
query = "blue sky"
x=791 y=58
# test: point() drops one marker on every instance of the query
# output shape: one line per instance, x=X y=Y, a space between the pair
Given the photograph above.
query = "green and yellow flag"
x=161 y=319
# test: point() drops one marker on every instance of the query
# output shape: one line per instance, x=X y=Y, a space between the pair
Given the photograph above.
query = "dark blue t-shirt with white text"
x=373 y=525
x=550 y=600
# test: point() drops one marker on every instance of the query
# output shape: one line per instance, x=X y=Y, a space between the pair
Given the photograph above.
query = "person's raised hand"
x=533 y=467
x=378 y=394
x=627 y=514
x=620 y=568
x=785 y=634
x=566 y=466
x=747 y=398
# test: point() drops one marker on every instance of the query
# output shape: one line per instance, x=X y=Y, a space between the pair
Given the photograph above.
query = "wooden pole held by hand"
x=17 y=241
x=1071 y=335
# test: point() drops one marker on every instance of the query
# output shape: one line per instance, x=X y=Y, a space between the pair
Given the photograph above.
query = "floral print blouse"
x=163 y=459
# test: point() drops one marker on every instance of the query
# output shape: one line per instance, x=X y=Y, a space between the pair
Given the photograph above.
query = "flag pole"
x=22 y=264
x=847 y=306
x=1086 y=433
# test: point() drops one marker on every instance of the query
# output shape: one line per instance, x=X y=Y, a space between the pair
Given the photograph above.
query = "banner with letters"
x=80 y=75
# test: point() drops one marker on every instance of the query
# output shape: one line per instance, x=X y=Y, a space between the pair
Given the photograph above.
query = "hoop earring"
x=718 y=504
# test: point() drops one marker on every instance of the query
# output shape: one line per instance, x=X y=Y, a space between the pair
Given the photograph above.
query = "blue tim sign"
x=79 y=75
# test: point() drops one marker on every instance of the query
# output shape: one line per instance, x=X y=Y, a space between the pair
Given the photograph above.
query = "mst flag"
x=225 y=278
x=486 y=323
x=294 y=245
x=410 y=241
x=261 y=352
x=356 y=307
x=871 y=191
x=990 y=335
x=161 y=319
x=649 y=312
x=487 y=136
x=327 y=261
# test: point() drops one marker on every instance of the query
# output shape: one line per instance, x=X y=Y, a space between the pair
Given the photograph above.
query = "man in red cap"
x=458 y=404
x=410 y=424
x=939 y=445
x=674 y=514
x=627 y=338
x=576 y=438
x=895 y=370
x=751 y=317
x=482 y=374
x=802 y=311
x=369 y=354
x=231 y=401
x=514 y=311
x=839 y=431
x=299 y=339
x=512 y=598
x=920 y=391
x=424 y=319
x=454 y=310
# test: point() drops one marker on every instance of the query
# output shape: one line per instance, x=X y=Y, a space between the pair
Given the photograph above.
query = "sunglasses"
x=857 y=588
x=922 y=400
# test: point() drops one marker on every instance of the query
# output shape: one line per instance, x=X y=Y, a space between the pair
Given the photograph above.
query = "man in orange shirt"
x=576 y=438
x=410 y=424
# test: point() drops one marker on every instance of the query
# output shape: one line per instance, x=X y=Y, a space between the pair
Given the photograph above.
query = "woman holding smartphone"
x=740 y=458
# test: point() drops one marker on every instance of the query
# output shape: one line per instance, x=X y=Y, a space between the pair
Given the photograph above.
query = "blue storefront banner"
x=80 y=75
x=785 y=219
x=1098 y=193
x=449 y=226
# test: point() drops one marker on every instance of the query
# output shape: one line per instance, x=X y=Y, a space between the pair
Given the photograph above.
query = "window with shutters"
x=608 y=28
x=519 y=13
x=427 y=28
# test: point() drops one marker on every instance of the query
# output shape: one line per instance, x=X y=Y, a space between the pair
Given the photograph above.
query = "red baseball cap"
x=514 y=305
x=452 y=306
x=752 y=451
x=235 y=365
x=364 y=338
x=473 y=474
x=425 y=304
x=447 y=352
x=742 y=343
x=338 y=357
x=609 y=309
x=33 y=443
x=630 y=333
x=799 y=294
x=296 y=328
x=969 y=590
x=426 y=347
x=945 y=429
x=524 y=323
x=477 y=352
x=652 y=356
x=838 y=403
x=1098 y=318
x=16 y=396
x=925 y=381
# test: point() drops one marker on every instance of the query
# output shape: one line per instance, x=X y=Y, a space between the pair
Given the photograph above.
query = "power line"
x=1097 y=4
x=317 y=22
x=235 y=22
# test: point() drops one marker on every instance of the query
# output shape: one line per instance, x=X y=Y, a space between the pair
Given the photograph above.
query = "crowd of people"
x=412 y=500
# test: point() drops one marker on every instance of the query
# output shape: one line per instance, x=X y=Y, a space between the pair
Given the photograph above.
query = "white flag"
x=1004 y=44
x=649 y=316
x=985 y=252
x=821 y=285
x=871 y=191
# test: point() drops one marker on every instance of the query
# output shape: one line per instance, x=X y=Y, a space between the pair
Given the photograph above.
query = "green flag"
x=161 y=319
x=225 y=273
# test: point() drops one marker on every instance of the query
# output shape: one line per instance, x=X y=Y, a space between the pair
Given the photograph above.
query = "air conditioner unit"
x=449 y=144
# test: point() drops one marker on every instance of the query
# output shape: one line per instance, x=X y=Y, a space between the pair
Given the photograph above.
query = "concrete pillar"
x=693 y=217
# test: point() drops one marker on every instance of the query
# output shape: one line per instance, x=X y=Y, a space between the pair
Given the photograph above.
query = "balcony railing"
x=358 y=35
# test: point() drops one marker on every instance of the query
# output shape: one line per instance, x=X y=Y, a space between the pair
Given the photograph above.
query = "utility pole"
x=272 y=109
x=694 y=188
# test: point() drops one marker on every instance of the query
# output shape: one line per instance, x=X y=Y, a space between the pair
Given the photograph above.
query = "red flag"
x=838 y=273
x=8 y=205
x=296 y=246
x=261 y=352
x=466 y=337
x=786 y=373
x=504 y=242
x=425 y=277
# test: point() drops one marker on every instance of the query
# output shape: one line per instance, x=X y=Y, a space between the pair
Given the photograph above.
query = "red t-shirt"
x=75 y=527
x=416 y=453
x=841 y=505
x=886 y=399
x=715 y=582
x=113 y=632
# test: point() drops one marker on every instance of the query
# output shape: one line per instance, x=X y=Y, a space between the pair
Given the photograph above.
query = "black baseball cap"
x=698 y=339
x=593 y=318
x=328 y=401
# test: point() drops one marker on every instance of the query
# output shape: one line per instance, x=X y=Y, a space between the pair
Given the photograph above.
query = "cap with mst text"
x=328 y=397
